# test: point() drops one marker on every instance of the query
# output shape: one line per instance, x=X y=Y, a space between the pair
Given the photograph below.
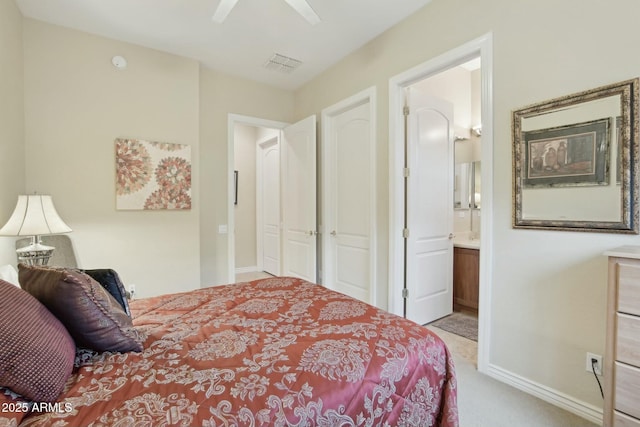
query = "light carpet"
x=485 y=402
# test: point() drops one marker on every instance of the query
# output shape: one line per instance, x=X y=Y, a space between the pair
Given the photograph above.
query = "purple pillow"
x=37 y=353
x=92 y=316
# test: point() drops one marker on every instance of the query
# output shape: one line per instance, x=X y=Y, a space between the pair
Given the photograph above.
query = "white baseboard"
x=559 y=399
x=246 y=269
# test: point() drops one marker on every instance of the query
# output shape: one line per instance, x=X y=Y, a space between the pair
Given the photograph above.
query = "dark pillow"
x=110 y=280
x=92 y=316
x=37 y=353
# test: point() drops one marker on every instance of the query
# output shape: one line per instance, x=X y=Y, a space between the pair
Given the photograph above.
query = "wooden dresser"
x=622 y=359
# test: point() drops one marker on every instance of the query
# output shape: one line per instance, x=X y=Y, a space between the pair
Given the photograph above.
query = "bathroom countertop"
x=466 y=242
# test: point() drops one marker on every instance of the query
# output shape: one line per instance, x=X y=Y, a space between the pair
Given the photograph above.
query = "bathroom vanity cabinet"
x=466 y=272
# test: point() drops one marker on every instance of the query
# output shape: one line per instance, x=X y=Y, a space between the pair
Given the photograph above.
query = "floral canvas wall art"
x=152 y=175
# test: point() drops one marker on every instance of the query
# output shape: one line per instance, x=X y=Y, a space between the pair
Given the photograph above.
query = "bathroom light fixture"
x=34 y=216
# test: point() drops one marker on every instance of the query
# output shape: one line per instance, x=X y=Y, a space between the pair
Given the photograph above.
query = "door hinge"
x=405 y=233
x=405 y=293
x=405 y=110
x=406 y=172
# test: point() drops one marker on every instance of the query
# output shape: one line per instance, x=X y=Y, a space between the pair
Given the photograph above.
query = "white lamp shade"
x=34 y=215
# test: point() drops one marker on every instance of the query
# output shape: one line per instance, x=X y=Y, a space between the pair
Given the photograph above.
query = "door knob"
x=333 y=233
x=450 y=236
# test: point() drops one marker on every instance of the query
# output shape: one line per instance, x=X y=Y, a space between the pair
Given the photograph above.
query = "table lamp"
x=34 y=216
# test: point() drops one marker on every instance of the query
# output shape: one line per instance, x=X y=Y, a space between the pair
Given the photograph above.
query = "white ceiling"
x=251 y=34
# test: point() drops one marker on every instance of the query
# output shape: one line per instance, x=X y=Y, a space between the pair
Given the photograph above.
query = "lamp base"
x=35 y=254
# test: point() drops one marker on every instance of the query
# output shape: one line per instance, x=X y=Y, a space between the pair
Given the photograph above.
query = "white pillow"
x=9 y=274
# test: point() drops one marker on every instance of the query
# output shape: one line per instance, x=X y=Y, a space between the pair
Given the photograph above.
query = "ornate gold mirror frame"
x=575 y=162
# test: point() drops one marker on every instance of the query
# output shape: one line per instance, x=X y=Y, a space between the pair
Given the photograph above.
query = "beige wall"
x=76 y=104
x=548 y=290
x=12 y=172
x=221 y=95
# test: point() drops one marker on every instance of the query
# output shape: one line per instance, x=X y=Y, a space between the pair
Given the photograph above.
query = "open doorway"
x=256 y=180
x=243 y=246
x=297 y=227
x=482 y=48
x=459 y=87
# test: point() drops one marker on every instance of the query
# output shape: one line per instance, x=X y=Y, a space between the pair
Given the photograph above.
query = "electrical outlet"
x=132 y=291
x=597 y=367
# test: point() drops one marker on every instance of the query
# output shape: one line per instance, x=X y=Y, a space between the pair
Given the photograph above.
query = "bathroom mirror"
x=467 y=185
x=462 y=186
x=575 y=161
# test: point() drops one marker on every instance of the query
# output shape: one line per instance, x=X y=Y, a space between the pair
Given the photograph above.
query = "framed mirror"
x=575 y=162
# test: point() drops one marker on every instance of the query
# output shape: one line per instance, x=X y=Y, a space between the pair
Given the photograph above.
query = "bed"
x=272 y=352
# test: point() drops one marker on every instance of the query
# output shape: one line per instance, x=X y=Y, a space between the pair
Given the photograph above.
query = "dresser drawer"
x=622 y=420
x=627 y=389
x=628 y=343
x=629 y=288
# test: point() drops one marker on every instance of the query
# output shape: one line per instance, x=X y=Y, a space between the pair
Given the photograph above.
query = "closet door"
x=299 y=199
x=348 y=199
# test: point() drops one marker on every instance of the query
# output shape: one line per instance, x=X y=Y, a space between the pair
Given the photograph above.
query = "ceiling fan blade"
x=224 y=7
x=304 y=9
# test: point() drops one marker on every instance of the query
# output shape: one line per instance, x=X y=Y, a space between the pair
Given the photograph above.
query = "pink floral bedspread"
x=274 y=352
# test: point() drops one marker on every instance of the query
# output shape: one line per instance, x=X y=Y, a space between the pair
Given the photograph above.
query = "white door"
x=268 y=205
x=348 y=199
x=429 y=208
x=299 y=199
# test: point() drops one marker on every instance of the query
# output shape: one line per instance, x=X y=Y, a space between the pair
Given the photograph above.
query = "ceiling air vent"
x=282 y=63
